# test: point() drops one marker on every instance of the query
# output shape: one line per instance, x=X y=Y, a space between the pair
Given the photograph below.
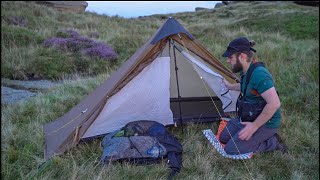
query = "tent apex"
x=171 y=26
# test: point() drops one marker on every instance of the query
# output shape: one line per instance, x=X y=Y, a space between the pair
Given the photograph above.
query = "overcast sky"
x=134 y=9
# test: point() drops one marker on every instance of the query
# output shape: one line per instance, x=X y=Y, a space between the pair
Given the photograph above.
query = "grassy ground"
x=287 y=37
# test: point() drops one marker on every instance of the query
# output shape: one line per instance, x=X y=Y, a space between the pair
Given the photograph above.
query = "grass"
x=290 y=52
x=43 y=23
x=19 y=37
x=297 y=25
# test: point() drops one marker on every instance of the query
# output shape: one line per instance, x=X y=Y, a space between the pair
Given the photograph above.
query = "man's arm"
x=273 y=103
x=230 y=86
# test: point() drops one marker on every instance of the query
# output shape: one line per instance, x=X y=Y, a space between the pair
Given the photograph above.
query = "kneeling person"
x=253 y=130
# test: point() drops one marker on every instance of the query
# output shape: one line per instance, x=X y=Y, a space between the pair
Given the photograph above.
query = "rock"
x=308 y=3
x=218 y=5
x=17 y=21
x=11 y=96
x=200 y=8
x=39 y=85
x=13 y=91
x=303 y=80
x=73 y=6
x=225 y=2
x=236 y=2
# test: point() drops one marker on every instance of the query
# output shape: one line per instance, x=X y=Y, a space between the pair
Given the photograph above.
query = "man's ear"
x=243 y=56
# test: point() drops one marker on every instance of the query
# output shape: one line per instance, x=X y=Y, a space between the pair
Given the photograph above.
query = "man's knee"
x=224 y=137
x=230 y=149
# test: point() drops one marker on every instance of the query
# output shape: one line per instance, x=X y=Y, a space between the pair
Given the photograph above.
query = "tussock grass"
x=290 y=53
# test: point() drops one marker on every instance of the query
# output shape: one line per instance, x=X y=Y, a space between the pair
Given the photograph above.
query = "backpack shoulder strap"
x=254 y=66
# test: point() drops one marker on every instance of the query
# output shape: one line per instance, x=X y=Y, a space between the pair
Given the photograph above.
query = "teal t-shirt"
x=261 y=80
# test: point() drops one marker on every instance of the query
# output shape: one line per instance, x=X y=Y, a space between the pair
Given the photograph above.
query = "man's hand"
x=228 y=85
x=249 y=129
x=273 y=103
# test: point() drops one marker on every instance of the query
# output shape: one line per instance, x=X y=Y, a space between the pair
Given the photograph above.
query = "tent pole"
x=177 y=80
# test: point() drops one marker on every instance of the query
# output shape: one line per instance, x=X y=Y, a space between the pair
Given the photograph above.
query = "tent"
x=171 y=79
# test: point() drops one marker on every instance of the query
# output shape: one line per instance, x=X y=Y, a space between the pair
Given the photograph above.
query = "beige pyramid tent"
x=171 y=79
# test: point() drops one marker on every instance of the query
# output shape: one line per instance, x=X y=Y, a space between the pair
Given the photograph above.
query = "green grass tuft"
x=19 y=37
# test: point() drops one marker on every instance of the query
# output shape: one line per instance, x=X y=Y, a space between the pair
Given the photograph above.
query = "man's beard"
x=237 y=67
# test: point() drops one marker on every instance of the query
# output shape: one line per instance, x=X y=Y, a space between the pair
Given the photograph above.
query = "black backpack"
x=133 y=142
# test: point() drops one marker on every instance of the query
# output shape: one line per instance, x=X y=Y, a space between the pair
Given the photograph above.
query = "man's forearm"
x=235 y=87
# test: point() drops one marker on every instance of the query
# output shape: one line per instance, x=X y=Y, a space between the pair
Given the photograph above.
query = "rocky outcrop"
x=73 y=6
x=14 y=91
x=218 y=5
x=307 y=3
x=225 y=2
x=11 y=96
x=200 y=8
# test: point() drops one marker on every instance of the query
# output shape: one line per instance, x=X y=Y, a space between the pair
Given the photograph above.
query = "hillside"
x=287 y=37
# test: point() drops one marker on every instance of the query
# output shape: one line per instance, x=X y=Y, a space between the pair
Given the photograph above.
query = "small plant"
x=67 y=33
x=56 y=42
x=17 y=21
x=70 y=40
x=94 y=35
x=101 y=51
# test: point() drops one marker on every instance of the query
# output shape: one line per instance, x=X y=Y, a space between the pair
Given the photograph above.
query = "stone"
x=200 y=8
x=307 y=3
x=73 y=6
x=218 y=5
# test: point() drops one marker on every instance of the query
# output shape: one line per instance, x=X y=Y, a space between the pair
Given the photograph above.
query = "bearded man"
x=256 y=127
